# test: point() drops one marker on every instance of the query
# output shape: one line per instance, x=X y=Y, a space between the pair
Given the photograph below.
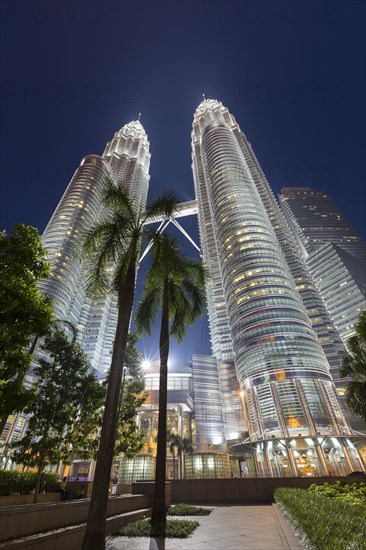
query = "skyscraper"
x=126 y=159
x=259 y=324
x=334 y=253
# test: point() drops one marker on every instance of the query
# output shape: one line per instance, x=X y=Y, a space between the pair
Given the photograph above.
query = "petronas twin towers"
x=276 y=350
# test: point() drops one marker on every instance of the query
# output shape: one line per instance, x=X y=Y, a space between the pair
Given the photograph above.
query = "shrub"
x=188 y=510
x=175 y=528
x=354 y=493
x=324 y=523
x=13 y=481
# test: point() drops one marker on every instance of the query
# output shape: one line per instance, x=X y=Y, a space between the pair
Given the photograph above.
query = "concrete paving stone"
x=226 y=528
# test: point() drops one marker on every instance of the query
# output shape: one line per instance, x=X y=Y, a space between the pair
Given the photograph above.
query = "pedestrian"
x=63 y=488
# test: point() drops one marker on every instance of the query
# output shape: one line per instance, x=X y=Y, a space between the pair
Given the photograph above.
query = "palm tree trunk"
x=158 y=517
x=94 y=538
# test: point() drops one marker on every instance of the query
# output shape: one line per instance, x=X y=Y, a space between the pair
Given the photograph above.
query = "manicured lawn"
x=326 y=523
x=188 y=510
x=175 y=528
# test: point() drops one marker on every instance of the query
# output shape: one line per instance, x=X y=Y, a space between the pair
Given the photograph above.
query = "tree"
x=176 y=284
x=182 y=445
x=64 y=413
x=354 y=367
x=25 y=313
x=185 y=448
x=112 y=248
x=174 y=440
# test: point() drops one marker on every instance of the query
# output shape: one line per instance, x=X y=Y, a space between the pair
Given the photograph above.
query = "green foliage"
x=354 y=493
x=175 y=280
x=179 y=445
x=25 y=313
x=175 y=528
x=174 y=284
x=354 y=367
x=13 y=481
x=111 y=248
x=112 y=245
x=64 y=413
x=326 y=523
x=188 y=510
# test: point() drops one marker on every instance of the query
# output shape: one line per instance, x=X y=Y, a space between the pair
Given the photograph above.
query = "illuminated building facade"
x=334 y=253
x=261 y=331
x=126 y=159
x=180 y=421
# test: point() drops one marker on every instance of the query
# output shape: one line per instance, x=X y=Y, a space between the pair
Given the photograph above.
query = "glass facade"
x=335 y=254
x=207 y=466
x=208 y=404
x=142 y=467
x=126 y=159
x=254 y=302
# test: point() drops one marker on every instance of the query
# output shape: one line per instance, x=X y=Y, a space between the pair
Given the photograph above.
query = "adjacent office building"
x=261 y=330
x=334 y=253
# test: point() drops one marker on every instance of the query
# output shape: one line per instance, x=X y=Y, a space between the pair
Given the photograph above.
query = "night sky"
x=74 y=72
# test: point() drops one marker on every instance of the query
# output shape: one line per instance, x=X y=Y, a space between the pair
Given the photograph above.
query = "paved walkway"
x=226 y=528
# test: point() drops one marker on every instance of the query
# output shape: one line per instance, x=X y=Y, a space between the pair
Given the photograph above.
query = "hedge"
x=323 y=523
x=13 y=481
x=354 y=493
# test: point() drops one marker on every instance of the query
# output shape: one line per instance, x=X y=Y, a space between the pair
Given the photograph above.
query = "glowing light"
x=146 y=365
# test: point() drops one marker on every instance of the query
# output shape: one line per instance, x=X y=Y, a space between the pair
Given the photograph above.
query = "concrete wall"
x=70 y=538
x=123 y=488
x=147 y=488
x=20 y=521
x=241 y=491
x=18 y=500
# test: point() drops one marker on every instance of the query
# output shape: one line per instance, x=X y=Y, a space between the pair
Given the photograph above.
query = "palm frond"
x=197 y=298
x=181 y=311
x=123 y=262
x=116 y=197
x=95 y=277
x=165 y=205
x=146 y=311
x=92 y=236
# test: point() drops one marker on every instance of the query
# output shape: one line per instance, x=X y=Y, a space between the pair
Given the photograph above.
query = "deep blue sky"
x=75 y=71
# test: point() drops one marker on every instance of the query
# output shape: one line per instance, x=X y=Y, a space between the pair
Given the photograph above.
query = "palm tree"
x=111 y=248
x=354 y=367
x=183 y=445
x=186 y=448
x=175 y=284
x=174 y=440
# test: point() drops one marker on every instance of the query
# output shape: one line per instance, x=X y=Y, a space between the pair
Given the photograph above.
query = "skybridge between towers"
x=188 y=208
